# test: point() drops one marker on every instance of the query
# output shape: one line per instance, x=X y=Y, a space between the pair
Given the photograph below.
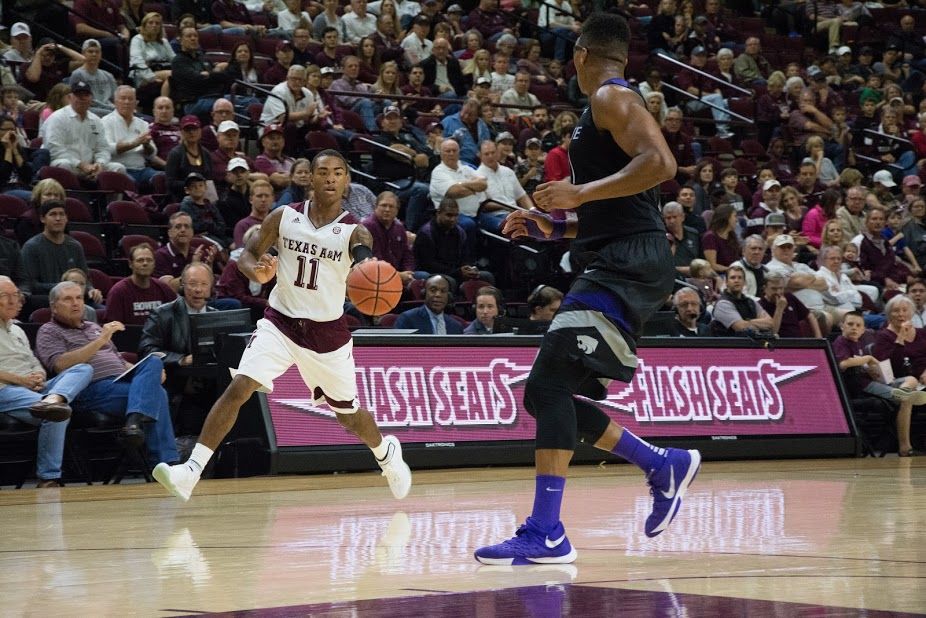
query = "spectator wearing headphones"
x=543 y=303
x=489 y=305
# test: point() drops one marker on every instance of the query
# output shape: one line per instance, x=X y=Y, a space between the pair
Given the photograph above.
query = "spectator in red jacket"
x=556 y=165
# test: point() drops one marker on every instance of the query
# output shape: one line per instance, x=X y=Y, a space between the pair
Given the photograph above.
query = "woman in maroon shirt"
x=905 y=346
x=719 y=243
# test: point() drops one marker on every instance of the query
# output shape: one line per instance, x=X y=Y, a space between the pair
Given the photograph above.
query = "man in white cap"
x=848 y=78
x=101 y=81
x=129 y=137
x=235 y=199
x=882 y=182
x=771 y=197
x=229 y=147
x=20 y=44
x=76 y=138
x=414 y=160
x=802 y=281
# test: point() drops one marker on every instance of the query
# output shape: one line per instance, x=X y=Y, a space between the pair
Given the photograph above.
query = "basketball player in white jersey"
x=304 y=324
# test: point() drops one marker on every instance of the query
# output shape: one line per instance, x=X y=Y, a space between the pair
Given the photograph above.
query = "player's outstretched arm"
x=255 y=262
x=539 y=225
x=620 y=112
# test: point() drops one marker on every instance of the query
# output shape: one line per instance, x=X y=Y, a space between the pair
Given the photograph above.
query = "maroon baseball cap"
x=190 y=121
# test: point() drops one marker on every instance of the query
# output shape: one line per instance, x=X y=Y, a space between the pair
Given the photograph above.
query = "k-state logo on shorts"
x=587 y=344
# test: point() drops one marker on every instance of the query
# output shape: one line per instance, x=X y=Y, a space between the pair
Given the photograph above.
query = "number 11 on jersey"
x=312 y=283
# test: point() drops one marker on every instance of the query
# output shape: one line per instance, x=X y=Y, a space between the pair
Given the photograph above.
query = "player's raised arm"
x=255 y=262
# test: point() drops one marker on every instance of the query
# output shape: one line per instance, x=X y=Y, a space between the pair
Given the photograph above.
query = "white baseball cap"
x=20 y=28
x=885 y=178
x=770 y=183
x=228 y=125
x=236 y=163
x=783 y=239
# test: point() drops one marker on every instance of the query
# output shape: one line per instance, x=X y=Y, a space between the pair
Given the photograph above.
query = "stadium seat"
x=77 y=210
x=93 y=246
x=117 y=185
x=40 y=315
x=67 y=179
x=101 y=281
x=127 y=213
x=130 y=240
x=469 y=289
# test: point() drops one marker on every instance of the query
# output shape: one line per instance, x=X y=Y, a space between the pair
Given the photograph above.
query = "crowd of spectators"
x=797 y=210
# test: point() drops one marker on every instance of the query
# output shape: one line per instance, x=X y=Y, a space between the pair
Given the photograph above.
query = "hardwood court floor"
x=831 y=533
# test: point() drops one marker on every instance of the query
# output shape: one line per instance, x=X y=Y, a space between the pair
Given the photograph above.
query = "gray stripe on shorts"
x=584 y=318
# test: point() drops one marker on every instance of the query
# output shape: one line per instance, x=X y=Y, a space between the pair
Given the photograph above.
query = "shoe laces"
x=525 y=536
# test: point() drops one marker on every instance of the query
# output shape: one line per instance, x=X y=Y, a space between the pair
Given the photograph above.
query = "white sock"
x=380 y=451
x=199 y=457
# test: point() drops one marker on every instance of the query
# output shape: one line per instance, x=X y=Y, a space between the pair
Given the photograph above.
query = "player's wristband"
x=534 y=231
x=360 y=252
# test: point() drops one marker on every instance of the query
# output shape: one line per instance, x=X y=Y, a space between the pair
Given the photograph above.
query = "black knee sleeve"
x=591 y=421
x=553 y=407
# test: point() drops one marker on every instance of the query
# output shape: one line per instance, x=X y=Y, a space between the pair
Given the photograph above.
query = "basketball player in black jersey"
x=618 y=157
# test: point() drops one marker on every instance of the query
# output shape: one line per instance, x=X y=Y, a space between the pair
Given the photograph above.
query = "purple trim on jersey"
x=321 y=337
x=617 y=81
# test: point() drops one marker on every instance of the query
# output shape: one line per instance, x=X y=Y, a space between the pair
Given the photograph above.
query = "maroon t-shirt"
x=728 y=250
x=169 y=261
x=794 y=314
x=130 y=304
x=165 y=137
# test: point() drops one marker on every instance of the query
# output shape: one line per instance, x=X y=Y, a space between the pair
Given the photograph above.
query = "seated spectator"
x=893 y=234
x=463 y=126
x=207 y=220
x=786 y=310
x=556 y=164
x=832 y=234
x=416 y=46
x=802 y=281
x=390 y=238
x=413 y=159
x=76 y=138
x=49 y=254
x=488 y=306
x=165 y=133
x=751 y=66
x=15 y=161
x=272 y=161
x=292 y=101
x=530 y=168
x=878 y=257
x=818 y=216
x=686 y=197
x=357 y=23
x=827 y=174
x=851 y=216
x=706 y=91
x=349 y=82
x=809 y=120
x=503 y=190
x=28 y=396
x=172 y=258
x=150 y=55
x=703 y=277
x=20 y=49
x=770 y=203
x=543 y=303
x=235 y=18
x=845 y=295
x=51 y=65
x=78 y=276
x=299 y=187
x=793 y=209
x=415 y=87
x=222 y=110
x=519 y=95
x=261 y=203
x=684 y=241
x=905 y=347
x=448 y=82
x=195 y=82
x=101 y=81
x=430 y=318
x=329 y=56
x=687 y=304
x=130 y=138
x=738 y=314
x=441 y=247
x=134 y=297
x=235 y=198
x=680 y=143
x=719 y=244
x=11 y=265
x=234 y=285
x=502 y=80
x=358 y=201
x=754 y=250
x=863 y=375
x=882 y=185
x=327 y=20
x=68 y=340
x=190 y=157
x=451 y=179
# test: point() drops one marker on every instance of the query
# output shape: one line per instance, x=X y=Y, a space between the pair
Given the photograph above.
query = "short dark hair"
x=856 y=313
x=50 y=205
x=446 y=203
x=606 y=33
x=327 y=30
x=136 y=248
x=329 y=152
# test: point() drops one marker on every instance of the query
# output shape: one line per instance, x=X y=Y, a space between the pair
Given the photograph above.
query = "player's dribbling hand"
x=525 y=223
x=557 y=194
x=266 y=268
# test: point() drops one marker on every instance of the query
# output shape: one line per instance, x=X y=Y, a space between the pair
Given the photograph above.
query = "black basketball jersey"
x=593 y=155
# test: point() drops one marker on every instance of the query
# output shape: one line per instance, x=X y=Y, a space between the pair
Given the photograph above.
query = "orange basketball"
x=374 y=287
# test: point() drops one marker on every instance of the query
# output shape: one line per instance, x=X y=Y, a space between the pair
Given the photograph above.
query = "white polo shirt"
x=443 y=177
x=503 y=184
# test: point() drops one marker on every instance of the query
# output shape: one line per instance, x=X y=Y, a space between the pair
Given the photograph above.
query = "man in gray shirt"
x=48 y=255
x=102 y=83
x=27 y=396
